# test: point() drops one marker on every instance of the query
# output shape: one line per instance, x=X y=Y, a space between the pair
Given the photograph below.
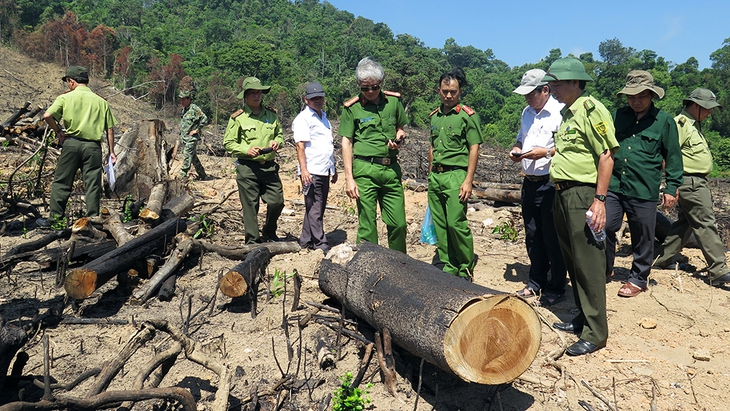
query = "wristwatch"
x=548 y=155
x=601 y=198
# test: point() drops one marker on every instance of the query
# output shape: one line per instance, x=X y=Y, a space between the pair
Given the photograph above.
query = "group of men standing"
x=584 y=168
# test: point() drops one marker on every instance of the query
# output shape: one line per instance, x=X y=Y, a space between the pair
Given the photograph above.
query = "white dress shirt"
x=537 y=130
x=316 y=134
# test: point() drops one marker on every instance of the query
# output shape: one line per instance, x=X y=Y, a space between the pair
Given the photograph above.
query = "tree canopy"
x=146 y=47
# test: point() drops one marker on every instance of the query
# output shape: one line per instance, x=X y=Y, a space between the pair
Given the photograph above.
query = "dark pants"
x=641 y=215
x=585 y=260
x=315 y=201
x=541 y=239
x=77 y=154
x=259 y=181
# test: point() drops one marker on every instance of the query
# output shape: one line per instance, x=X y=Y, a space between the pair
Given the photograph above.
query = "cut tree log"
x=151 y=213
x=185 y=245
x=497 y=194
x=83 y=281
x=50 y=256
x=12 y=338
x=240 y=253
x=246 y=275
x=481 y=335
x=141 y=159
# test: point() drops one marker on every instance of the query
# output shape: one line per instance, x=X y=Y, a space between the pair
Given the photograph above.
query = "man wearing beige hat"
x=534 y=148
x=648 y=138
x=253 y=136
x=695 y=203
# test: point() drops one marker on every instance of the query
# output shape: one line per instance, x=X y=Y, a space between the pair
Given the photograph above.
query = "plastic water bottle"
x=598 y=235
x=305 y=189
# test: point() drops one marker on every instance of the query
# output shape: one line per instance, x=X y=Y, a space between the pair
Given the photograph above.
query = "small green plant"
x=347 y=208
x=506 y=231
x=207 y=226
x=127 y=209
x=277 y=282
x=347 y=398
x=58 y=223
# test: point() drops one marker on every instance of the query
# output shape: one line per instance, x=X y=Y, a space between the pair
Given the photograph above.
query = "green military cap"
x=184 y=94
x=252 y=83
x=568 y=68
x=75 y=72
x=703 y=97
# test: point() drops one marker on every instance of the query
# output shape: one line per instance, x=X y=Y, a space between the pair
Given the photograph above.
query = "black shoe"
x=568 y=327
x=582 y=347
x=720 y=281
x=43 y=222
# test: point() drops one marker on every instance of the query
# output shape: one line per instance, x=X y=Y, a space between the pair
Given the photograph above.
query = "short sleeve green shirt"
x=586 y=132
x=246 y=130
x=85 y=114
x=452 y=134
x=645 y=144
x=370 y=125
x=695 y=150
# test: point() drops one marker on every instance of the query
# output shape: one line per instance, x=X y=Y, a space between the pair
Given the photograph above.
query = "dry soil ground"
x=682 y=363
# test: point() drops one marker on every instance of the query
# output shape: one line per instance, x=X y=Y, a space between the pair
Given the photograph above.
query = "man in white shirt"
x=534 y=148
x=315 y=153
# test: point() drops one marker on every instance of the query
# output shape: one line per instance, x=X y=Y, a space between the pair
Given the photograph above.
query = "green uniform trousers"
x=696 y=215
x=585 y=260
x=455 y=244
x=190 y=155
x=259 y=181
x=380 y=184
x=77 y=154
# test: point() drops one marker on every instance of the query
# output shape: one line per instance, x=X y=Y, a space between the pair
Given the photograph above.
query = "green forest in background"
x=147 y=47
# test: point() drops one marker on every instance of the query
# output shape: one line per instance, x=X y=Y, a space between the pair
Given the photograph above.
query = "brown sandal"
x=526 y=292
x=630 y=289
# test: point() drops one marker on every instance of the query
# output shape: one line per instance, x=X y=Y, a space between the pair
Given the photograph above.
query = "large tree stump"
x=141 y=159
x=83 y=281
x=481 y=335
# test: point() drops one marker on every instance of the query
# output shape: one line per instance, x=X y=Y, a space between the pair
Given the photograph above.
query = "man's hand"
x=335 y=177
x=351 y=189
x=465 y=191
x=668 y=201
x=598 y=220
x=306 y=178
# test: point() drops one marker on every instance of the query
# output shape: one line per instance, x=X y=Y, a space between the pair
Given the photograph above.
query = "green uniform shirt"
x=192 y=119
x=453 y=133
x=85 y=114
x=585 y=133
x=637 y=167
x=246 y=130
x=370 y=125
x=695 y=151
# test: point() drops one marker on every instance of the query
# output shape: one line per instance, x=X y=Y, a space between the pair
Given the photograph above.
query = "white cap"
x=530 y=81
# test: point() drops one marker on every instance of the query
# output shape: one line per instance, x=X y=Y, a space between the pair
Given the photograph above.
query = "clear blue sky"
x=524 y=31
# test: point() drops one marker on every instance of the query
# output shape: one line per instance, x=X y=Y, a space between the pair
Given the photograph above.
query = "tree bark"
x=498 y=194
x=141 y=159
x=185 y=246
x=12 y=339
x=246 y=275
x=151 y=213
x=83 y=281
x=479 y=334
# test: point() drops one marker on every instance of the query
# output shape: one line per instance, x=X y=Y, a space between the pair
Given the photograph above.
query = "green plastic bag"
x=428 y=230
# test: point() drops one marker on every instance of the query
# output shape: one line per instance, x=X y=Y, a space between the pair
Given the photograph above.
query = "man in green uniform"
x=455 y=137
x=253 y=136
x=695 y=203
x=371 y=127
x=86 y=118
x=581 y=170
x=649 y=147
x=193 y=119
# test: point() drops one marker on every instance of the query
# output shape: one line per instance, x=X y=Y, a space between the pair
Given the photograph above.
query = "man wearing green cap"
x=193 y=119
x=695 y=202
x=253 y=136
x=371 y=127
x=649 y=148
x=581 y=170
x=86 y=119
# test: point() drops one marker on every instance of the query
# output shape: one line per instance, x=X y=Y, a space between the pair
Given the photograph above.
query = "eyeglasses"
x=365 y=89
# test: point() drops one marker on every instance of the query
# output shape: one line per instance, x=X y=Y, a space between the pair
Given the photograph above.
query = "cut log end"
x=493 y=341
x=233 y=284
x=80 y=283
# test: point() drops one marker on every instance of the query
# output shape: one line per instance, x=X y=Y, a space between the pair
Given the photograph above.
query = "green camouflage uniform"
x=192 y=119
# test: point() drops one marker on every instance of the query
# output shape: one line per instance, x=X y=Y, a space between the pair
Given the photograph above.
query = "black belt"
x=259 y=163
x=564 y=185
x=698 y=175
x=536 y=179
x=386 y=161
x=83 y=139
x=438 y=168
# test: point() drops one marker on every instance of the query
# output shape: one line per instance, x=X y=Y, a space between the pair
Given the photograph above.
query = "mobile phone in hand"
x=266 y=150
x=514 y=154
